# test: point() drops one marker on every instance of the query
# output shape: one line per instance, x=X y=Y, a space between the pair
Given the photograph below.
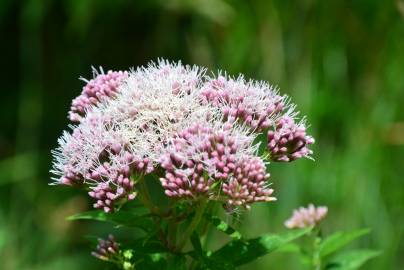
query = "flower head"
x=248 y=183
x=306 y=217
x=102 y=86
x=255 y=103
x=107 y=249
x=289 y=141
x=197 y=134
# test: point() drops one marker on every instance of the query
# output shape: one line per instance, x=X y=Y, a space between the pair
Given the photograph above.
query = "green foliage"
x=120 y=218
x=241 y=252
x=351 y=260
x=339 y=239
x=223 y=227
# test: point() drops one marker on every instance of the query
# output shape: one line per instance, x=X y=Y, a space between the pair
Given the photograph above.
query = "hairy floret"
x=255 y=103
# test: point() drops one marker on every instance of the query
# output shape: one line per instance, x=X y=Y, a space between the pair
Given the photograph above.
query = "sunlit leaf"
x=224 y=227
x=351 y=260
x=120 y=218
x=338 y=240
x=241 y=252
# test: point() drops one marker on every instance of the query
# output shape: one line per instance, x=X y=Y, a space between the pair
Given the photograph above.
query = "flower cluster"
x=289 y=141
x=215 y=160
x=306 y=217
x=196 y=133
x=248 y=184
x=260 y=106
x=104 y=85
x=255 y=103
x=107 y=249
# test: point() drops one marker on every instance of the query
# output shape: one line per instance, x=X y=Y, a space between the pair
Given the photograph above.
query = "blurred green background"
x=341 y=61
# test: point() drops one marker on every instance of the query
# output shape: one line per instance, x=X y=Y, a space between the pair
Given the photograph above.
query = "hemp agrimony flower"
x=306 y=217
x=196 y=133
x=207 y=141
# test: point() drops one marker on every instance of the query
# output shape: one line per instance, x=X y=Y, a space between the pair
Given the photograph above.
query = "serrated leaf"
x=338 y=240
x=223 y=227
x=120 y=218
x=352 y=260
x=241 y=252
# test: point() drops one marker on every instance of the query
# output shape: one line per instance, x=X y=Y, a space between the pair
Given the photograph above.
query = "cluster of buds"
x=215 y=161
x=306 y=217
x=107 y=249
x=198 y=149
x=248 y=184
x=101 y=87
x=289 y=141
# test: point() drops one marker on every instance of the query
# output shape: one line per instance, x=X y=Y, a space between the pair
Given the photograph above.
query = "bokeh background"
x=341 y=61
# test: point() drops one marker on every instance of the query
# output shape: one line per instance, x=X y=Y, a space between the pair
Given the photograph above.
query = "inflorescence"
x=306 y=217
x=196 y=133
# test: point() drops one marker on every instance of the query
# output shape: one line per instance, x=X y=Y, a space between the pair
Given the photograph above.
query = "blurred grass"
x=341 y=61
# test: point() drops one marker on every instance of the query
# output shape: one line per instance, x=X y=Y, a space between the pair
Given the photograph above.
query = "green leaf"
x=120 y=218
x=205 y=261
x=148 y=246
x=153 y=261
x=338 y=240
x=223 y=227
x=196 y=243
x=240 y=252
x=351 y=260
x=176 y=262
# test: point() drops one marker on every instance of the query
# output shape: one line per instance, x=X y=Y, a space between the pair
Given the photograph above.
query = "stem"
x=192 y=226
x=146 y=199
x=172 y=234
x=316 y=251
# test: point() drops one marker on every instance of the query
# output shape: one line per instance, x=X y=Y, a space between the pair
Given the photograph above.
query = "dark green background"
x=341 y=61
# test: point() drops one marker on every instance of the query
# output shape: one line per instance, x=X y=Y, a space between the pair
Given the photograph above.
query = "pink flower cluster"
x=205 y=160
x=306 y=217
x=288 y=141
x=196 y=150
x=256 y=104
x=201 y=131
x=107 y=249
x=261 y=107
x=95 y=155
x=102 y=86
x=248 y=184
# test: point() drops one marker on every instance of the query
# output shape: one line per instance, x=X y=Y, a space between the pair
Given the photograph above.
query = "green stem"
x=172 y=234
x=192 y=226
x=146 y=199
x=316 y=251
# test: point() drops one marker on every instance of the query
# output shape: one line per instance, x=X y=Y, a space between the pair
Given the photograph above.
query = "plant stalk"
x=194 y=223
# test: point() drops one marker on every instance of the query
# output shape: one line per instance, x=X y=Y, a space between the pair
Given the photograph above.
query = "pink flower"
x=248 y=184
x=306 y=217
x=215 y=163
x=102 y=86
x=288 y=141
x=106 y=249
x=255 y=103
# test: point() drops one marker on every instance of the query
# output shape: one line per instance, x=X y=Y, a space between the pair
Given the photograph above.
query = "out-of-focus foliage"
x=342 y=61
